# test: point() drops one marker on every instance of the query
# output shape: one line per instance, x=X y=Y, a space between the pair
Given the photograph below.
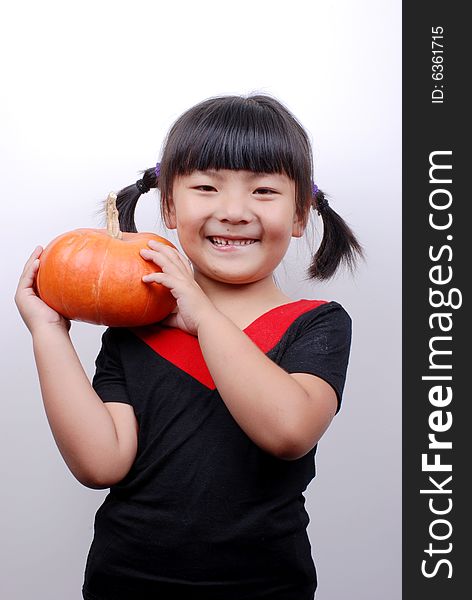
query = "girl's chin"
x=237 y=277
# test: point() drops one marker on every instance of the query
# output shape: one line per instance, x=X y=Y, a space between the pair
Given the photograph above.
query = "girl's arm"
x=285 y=414
x=98 y=442
x=98 y=451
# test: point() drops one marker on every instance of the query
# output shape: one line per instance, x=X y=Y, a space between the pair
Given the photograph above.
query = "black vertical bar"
x=436 y=326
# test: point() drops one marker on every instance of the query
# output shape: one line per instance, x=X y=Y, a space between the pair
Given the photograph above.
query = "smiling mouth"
x=219 y=241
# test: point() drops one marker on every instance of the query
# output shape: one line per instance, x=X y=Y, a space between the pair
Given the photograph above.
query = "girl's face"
x=234 y=226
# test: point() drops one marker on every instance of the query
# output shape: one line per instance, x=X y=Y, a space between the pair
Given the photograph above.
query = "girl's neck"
x=242 y=303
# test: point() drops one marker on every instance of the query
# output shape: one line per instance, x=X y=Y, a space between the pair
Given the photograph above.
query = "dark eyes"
x=204 y=188
x=210 y=188
x=265 y=191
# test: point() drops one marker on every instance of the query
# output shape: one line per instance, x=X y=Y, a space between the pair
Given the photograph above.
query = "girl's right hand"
x=33 y=310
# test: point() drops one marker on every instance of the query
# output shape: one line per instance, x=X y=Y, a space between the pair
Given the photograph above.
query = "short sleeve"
x=109 y=380
x=320 y=345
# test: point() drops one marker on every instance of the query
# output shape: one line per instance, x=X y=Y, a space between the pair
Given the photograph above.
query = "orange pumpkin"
x=95 y=275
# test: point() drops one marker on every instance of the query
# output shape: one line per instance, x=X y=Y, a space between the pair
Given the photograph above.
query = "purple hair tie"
x=158 y=169
x=319 y=202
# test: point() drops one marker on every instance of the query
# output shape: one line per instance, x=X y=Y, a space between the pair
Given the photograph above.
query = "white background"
x=89 y=91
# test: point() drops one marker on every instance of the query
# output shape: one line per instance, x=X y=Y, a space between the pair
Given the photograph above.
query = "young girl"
x=205 y=426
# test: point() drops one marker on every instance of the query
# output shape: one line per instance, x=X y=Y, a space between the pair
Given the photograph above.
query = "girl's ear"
x=299 y=226
x=298 y=230
x=169 y=215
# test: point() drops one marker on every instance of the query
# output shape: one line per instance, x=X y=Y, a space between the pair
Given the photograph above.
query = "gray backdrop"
x=89 y=91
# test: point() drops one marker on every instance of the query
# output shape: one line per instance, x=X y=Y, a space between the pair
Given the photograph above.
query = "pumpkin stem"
x=113 y=224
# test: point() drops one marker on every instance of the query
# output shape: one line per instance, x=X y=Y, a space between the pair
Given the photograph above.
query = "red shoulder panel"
x=183 y=349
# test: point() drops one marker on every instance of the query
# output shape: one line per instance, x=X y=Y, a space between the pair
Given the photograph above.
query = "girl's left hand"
x=177 y=275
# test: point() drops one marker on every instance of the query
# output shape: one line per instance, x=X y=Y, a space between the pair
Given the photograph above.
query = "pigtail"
x=339 y=244
x=128 y=197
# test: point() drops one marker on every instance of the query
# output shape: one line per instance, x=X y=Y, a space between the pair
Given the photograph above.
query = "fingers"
x=154 y=277
x=34 y=256
x=173 y=252
x=30 y=268
x=166 y=258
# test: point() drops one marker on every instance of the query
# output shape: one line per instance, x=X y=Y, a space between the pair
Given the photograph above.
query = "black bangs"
x=232 y=132
x=235 y=135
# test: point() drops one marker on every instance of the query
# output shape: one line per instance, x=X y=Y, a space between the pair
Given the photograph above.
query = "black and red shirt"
x=204 y=512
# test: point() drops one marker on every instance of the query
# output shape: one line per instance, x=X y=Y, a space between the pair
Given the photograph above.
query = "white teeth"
x=225 y=242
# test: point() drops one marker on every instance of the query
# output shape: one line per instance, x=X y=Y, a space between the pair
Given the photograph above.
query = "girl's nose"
x=234 y=208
